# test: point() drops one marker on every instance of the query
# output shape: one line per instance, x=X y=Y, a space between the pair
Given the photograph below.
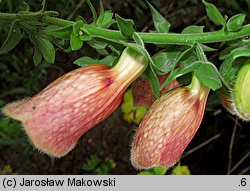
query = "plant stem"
x=156 y=38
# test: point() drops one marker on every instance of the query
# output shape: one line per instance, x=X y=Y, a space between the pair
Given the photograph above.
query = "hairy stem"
x=156 y=38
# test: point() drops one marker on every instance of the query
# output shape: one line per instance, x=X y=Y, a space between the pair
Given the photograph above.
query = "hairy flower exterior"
x=168 y=127
x=142 y=93
x=60 y=114
x=241 y=93
x=227 y=103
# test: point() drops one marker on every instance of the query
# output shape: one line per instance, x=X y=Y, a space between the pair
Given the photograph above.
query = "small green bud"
x=241 y=92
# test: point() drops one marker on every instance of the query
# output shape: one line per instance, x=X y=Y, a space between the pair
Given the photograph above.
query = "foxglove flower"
x=168 y=127
x=241 y=93
x=60 y=114
x=142 y=92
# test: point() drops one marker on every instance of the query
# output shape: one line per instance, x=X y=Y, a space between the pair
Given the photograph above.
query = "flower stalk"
x=162 y=38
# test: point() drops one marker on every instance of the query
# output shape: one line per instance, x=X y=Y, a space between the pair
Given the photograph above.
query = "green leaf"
x=160 y=23
x=46 y=47
x=13 y=38
x=235 y=52
x=84 y=61
x=97 y=44
x=208 y=76
x=160 y=170
x=214 y=14
x=126 y=26
x=180 y=72
x=108 y=60
x=107 y=20
x=225 y=53
x=37 y=57
x=232 y=55
x=181 y=170
x=154 y=83
x=243 y=51
x=105 y=17
x=92 y=8
x=101 y=15
x=167 y=61
x=235 y=22
x=59 y=32
x=193 y=29
x=75 y=42
x=91 y=163
x=60 y=43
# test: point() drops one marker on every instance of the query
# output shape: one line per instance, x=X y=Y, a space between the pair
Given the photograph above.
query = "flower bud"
x=60 y=114
x=168 y=127
x=241 y=92
x=142 y=92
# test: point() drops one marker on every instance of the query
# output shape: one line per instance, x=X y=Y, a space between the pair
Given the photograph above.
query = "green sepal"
x=208 y=76
x=154 y=82
x=180 y=72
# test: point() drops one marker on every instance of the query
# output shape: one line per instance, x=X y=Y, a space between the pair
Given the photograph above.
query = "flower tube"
x=60 y=114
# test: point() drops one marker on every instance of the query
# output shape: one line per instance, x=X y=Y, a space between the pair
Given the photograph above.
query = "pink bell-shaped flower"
x=169 y=126
x=60 y=114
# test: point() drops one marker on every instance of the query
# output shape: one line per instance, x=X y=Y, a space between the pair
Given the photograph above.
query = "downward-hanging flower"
x=168 y=127
x=59 y=115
